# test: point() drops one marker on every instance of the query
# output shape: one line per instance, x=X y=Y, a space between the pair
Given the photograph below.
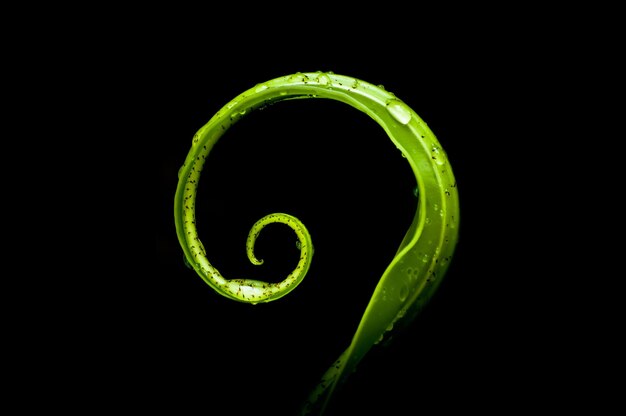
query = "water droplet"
x=298 y=77
x=323 y=79
x=260 y=87
x=404 y=292
x=298 y=245
x=439 y=155
x=400 y=111
x=425 y=258
x=416 y=191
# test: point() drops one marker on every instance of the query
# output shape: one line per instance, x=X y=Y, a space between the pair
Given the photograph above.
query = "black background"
x=336 y=170
x=105 y=104
x=137 y=329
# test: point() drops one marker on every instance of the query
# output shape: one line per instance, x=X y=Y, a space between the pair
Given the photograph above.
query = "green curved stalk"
x=423 y=256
